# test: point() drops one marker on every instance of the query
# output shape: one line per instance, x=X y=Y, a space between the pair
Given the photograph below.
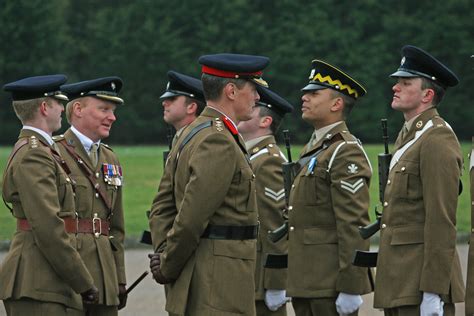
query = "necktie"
x=404 y=131
x=93 y=154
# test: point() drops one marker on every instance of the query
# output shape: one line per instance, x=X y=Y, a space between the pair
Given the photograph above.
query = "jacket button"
x=383 y=226
x=403 y=169
x=385 y=203
x=290 y=207
x=388 y=181
x=292 y=186
x=97 y=175
x=97 y=195
x=292 y=228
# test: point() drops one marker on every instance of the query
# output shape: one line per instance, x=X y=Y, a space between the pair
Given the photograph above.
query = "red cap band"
x=229 y=74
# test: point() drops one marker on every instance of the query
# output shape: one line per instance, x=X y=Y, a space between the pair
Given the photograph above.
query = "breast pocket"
x=244 y=184
x=316 y=187
x=66 y=195
x=406 y=181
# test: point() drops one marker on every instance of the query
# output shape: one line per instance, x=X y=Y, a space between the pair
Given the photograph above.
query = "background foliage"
x=141 y=40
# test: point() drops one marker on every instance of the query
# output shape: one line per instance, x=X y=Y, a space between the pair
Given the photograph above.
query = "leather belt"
x=230 y=232
x=96 y=226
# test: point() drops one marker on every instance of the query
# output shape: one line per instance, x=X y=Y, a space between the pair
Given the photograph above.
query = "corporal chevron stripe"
x=277 y=196
x=353 y=188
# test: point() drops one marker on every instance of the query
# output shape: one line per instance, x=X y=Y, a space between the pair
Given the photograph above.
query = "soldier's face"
x=407 y=94
x=96 y=118
x=55 y=110
x=245 y=99
x=316 y=107
x=250 y=127
x=175 y=110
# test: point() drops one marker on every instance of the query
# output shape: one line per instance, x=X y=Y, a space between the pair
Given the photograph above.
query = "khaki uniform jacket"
x=470 y=264
x=42 y=264
x=418 y=228
x=328 y=202
x=266 y=159
x=103 y=256
x=213 y=183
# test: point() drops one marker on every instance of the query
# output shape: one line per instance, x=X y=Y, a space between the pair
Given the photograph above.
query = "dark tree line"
x=141 y=40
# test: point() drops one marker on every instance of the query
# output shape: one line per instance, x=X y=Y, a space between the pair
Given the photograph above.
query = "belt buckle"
x=94 y=230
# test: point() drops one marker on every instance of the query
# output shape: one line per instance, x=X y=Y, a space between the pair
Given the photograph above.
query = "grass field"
x=142 y=167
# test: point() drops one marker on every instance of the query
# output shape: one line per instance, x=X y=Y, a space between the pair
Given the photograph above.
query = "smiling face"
x=94 y=117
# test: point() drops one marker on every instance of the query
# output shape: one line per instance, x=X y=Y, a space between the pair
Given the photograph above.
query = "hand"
x=348 y=303
x=274 y=299
x=431 y=305
x=91 y=296
x=155 y=268
x=122 y=296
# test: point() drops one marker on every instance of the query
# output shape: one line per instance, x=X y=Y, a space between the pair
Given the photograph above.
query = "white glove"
x=432 y=305
x=274 y=299
x=347 y=303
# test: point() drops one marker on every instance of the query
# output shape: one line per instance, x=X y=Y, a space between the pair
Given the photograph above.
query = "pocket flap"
x=320 y=235
x=240 y=249
x=406 y=235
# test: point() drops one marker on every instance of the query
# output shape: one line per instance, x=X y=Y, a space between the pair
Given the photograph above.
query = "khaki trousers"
x=414 y=310
x=101 y=310
x=30 y=307
x=316 y=307
x=262 y=309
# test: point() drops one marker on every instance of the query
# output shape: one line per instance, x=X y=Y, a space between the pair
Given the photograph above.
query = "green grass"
x=142 y=167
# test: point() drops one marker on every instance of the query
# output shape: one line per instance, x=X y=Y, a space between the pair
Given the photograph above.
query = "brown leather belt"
x=96 y=226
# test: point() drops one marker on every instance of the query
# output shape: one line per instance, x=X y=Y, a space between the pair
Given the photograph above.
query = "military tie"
x=312 y=140
x=404 y=131
x=93 y=154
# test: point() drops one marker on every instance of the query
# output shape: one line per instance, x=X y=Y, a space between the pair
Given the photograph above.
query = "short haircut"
x=276 y=118
x=200 y=104
x=213 y=85
x=348 y=102
x=438 y=90
x=26 y=110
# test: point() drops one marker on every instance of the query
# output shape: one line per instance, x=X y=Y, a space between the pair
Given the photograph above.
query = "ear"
x=191 y=108
x=77 y=108
x=43 y=108
x=338 y=104
x=230 y=90
x=428 y=95
x=265 y=121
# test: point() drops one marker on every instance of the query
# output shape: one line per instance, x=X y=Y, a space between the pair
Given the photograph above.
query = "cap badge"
x=313 y=72
x=112 y=85
x=403 y=61
x=419 y=124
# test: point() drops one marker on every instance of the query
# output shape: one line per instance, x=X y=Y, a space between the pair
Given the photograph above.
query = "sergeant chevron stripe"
x=353 y=188
x=277 y=196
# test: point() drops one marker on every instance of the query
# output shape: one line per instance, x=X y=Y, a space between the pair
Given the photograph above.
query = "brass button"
x=290 y=208
x=270 y=145
x=97 y=195
x=292 y=186
x=68 y=180
x=383 y=226
x=388 y=181
x=97 y=175
x=292 y=228
x=403 y=169
x=385 y=203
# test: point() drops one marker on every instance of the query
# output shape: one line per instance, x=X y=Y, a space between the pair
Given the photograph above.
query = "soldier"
x=418 y=269
x=183 y=101
x=470 y=264
x=266 y=159
x=209 y=257
x=97 y=174
x=42 y=273
x=329 y=201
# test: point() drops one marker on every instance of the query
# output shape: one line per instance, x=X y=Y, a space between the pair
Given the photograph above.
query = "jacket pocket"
x=239 y=249
x=407 y=235
x=316 y=186
x=406 y=181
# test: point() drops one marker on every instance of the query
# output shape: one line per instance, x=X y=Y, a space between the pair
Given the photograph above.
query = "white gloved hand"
x=432 y=305
x=348 y=303
x=274 y=299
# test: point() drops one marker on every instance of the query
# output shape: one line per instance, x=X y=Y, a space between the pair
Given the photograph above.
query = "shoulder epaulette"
x=33 y=142
x=107 y=146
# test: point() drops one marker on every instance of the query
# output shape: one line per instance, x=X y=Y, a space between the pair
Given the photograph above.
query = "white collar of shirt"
x=85 y=141
x=320 y=133
x=251 y=143
x=46 y=136
x=235 y=125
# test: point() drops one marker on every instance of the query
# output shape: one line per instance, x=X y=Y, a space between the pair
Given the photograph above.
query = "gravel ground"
x=148 y=297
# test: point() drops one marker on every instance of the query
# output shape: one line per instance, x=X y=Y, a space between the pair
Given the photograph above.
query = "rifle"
x=367 y=258
x=137 y=281
x=288 y=177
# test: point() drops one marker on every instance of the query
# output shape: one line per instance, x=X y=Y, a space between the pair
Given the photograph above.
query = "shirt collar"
x=233 y=123
x=324 y=130
x=46 y=136
x=85 y=141
x=251 y=143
